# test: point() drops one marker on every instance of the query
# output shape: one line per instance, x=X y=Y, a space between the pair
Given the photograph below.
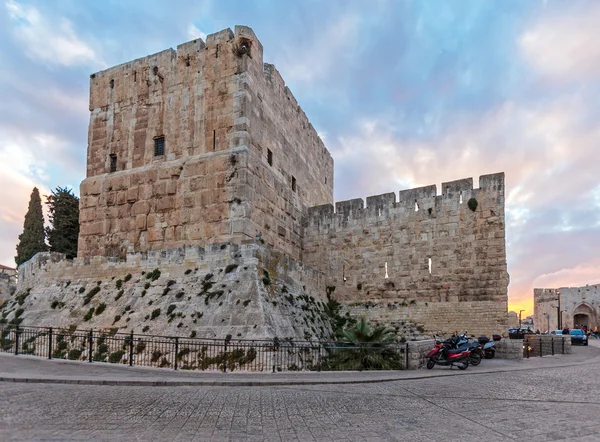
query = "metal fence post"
x=406 y=356
x=131 y=350
x=17 y=340
x=563 y=345
x=176 y=350
x=225 y=357
x=527 y=347
x=90 y=344
x=541 y=348
x=50 y=343
x=552 y=338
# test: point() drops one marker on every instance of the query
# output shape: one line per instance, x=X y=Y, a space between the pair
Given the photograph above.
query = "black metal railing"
x=199 y=353
x=543 y=345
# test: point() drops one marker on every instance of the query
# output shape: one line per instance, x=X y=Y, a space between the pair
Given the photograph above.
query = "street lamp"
x=558 y=311
x=520 y=311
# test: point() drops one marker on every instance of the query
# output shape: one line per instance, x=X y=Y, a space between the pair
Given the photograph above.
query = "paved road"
x=551 y=403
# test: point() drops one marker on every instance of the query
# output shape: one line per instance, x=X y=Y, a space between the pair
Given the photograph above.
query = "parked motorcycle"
x=489 y=347
x=442 y=354
x=463 y=342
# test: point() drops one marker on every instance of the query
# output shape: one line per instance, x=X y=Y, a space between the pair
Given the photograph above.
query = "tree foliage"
x=63 y=208
x=366 y=347
x=32 y=240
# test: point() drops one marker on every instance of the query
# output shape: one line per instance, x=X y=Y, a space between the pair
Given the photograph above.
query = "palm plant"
x=365 y=347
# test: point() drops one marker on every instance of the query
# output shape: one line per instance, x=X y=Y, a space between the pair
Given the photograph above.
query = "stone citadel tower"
x=201 y=145
x=202 y=157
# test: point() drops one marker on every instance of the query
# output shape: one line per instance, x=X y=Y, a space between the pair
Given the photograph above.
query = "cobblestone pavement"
x=543 y=404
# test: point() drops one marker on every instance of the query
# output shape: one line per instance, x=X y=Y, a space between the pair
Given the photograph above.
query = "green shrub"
x=119 y=283
x=188 y=271
x=100 y=308
x=166 y=291
x=117 y=319
x=155 y=314
x=127 y=277
x=57 y=304
x=170 y=282
x=472 y=203
x=116 y=356
x=140 y=347
x=230 y=268
x=119 y=294
x=145 y=329
x=246 y=302
x=193 y=334
x=89 y=314
x=21 y=297
x=179 y=295
x=19 y=312
x=156 y=354
x=171 y=308
x=153 y=275
x=146 y=286
x=81 y=289
x=143 y=293
x=74 y=354
x=91 y=294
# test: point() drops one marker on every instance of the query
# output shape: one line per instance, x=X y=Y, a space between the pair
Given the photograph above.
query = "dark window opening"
x=155 y=70
x=159 y=146
x=293 y=183
x=112 y=84
x=113 y=163
x=214 y=140
x=134 y=76
x=269 y=157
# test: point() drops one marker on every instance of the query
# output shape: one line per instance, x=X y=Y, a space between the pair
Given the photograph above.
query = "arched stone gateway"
x=584 y=315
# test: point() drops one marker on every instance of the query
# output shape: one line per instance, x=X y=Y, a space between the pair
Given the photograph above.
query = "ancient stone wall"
x=247 y=291
x=427 y=257
x=219 y=111
x=579 y=305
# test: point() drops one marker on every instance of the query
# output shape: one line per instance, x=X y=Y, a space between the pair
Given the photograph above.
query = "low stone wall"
x=546 y=345
x=509 y=349
x=416 y=353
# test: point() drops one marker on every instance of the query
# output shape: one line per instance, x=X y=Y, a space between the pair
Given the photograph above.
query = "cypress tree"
x=31 y=241
x=63 y=207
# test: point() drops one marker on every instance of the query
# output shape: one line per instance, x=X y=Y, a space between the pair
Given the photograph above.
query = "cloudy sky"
x=404 y=94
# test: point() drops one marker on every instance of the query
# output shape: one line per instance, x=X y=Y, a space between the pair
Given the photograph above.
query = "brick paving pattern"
x=551 y=403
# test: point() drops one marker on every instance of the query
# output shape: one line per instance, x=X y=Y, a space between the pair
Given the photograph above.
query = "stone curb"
x=272 y=383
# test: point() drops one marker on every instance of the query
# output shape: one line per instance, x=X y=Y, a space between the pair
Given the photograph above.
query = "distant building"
x=578 y=307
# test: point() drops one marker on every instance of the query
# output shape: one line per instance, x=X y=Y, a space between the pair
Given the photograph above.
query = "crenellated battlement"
x=455 y=195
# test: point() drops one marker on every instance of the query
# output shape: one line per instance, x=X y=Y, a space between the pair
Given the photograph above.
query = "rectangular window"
x=269 y=157
x=159 y=146
x=293 y=183
x=113 y=163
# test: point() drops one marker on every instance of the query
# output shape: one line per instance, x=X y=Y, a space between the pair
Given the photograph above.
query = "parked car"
x=556 y=332
x=578 y=337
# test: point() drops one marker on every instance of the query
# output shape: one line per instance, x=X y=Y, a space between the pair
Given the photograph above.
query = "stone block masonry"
x=197 y=146
x=205 y=146
x=435 y=259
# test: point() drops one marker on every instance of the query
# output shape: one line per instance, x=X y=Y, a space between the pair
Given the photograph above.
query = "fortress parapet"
x=431 y=252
